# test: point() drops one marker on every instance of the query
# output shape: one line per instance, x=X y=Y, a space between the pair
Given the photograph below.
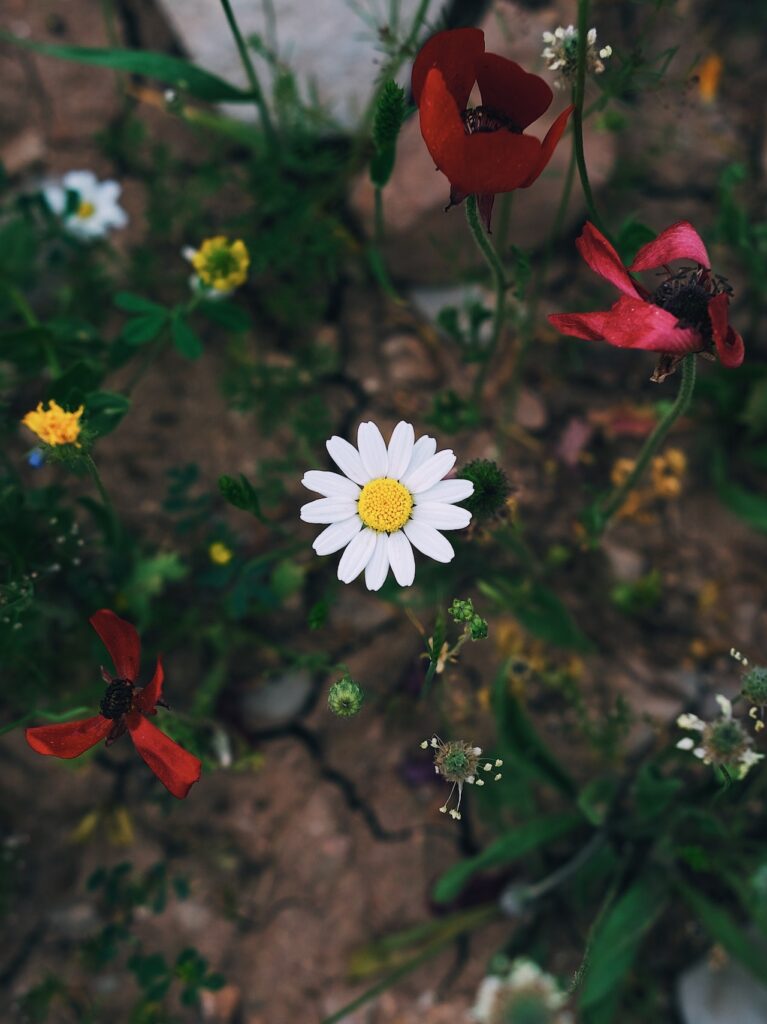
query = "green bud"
x=478 y=628
x=754 y=686
x=389 y=115
x=491 y=488
x=461 y=611
x=345 y=697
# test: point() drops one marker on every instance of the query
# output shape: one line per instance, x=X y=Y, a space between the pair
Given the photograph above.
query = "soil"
x=326 y=845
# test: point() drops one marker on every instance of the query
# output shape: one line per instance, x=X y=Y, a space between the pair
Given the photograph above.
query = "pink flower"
x=687 y=312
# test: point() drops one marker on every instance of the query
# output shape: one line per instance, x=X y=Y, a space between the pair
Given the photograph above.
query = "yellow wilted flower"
x=709 y=75
x=55 y=425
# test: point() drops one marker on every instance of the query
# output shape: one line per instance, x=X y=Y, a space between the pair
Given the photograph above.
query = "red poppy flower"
x=481 y=150
x=687 y=311
x=122 y=708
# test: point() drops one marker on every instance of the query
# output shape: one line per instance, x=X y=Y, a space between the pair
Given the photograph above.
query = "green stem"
x=499 y=278
x=653 y=442
x=250 y=71
x=106 y=501
x=28 y=316
x=578 y=97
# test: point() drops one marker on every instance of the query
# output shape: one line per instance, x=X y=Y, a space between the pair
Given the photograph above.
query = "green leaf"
x=226 y=314
x=72 y=387
x=596 y=797
x=240 y=493
x=185 y=339
x=749 y=506
x=142 y=329
x=722 y=928
x=173 y=71
x=616 y=942
x=520 y=740
x=131 y=303
x=539 y=610
x=104 y=410
x=520 y=841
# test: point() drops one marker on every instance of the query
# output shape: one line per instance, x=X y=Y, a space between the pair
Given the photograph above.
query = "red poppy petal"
x=483 y=162
x=549 y=144
x=604 y=260
x=729 y=344
x=454 y=53
x=121 y=640
x=176 y=768
x=633 y=323
x=510 y=90
x=580 y=325
x=146 y=700
x=69 y=739
x=679 y=242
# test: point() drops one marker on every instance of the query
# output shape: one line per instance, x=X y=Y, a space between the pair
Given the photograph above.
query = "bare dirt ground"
x=326 y=846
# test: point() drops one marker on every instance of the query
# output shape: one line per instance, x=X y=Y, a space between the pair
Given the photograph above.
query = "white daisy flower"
x=87 y=207
x=388 y=501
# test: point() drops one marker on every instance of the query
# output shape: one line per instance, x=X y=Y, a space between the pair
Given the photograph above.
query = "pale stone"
x=327 y=44
x=721 y=995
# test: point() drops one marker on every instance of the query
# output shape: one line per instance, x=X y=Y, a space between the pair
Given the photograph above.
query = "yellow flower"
x=221 y=264
x=55 y=425
x=219 y=553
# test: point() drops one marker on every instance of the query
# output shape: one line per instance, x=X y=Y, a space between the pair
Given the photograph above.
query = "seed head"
x=345 y=697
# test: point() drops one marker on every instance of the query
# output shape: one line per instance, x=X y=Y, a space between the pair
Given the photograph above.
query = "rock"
x=277 y=700
x=530 y=412
x=220 y=1007
x=22 y=151
x=626 y=564
x=337 y=52
x=721 y=995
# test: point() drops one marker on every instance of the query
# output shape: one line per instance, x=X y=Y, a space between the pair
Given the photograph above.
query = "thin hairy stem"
x=493 y=261
x=250 y=71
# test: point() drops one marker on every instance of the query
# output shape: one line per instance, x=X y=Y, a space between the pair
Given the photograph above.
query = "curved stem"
x=578 y=97
x=250 y=71
x=499 y=279
x=106 y=501
x=653 y=442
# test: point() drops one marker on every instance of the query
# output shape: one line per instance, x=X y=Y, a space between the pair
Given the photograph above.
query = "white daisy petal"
x=81 y=182
x=332 y=485
x=356 y=556
x=447 y=490
x=348 y=460
x=400 y=449
x=372 y=450
x=429 y=541
x=423 y=449
x=441 y=516
x=56 y=198
x=427 y=475
x=337 y=536
x=377 y=568
x=328 y=510
x=401 y=558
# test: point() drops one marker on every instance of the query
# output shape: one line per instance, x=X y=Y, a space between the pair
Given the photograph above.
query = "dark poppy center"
x=686 y=296
x=117 y=700
x=484 y=120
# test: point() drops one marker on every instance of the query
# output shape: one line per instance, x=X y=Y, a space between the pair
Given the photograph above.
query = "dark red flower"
x=122 y=708
x=687 y=311
x=481 y=150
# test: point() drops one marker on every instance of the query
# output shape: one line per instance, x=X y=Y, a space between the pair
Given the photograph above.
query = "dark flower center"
x=117 y=700
x=483 y=119
x=686 y=296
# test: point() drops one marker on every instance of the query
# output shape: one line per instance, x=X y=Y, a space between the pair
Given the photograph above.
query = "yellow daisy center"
x=85 y=209
x=222 y=264
x=55 y=425
x=385 y=505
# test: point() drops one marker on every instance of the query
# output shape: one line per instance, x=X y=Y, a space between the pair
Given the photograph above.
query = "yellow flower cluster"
x=219 y=553
x=55 y=425
x=665 y=483
x=221 y=264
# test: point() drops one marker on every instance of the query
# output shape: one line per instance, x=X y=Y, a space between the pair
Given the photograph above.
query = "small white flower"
x=87 y=207
x=524 y=988
x=561 y=53
x=389 y=500
x=722 y=742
